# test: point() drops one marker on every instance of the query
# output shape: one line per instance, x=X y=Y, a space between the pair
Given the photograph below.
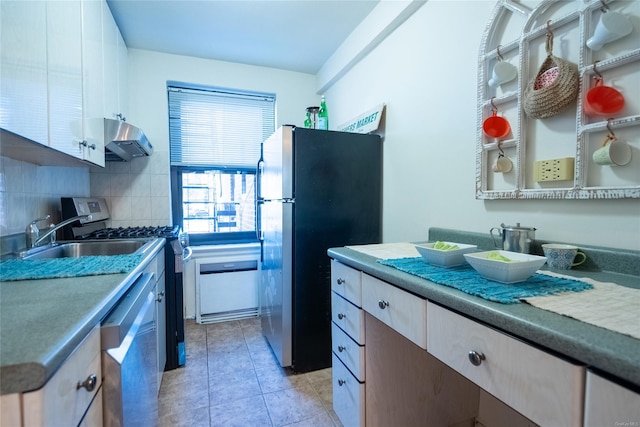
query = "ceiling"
x=295 y=35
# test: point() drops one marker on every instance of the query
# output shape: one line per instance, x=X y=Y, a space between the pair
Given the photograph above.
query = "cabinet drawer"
x=60 y=401
x=348 y=395
x=607 y=402
x=348 y=351
x=544 y=388
x=348 y=317
x=401 y=311
x=346 y=281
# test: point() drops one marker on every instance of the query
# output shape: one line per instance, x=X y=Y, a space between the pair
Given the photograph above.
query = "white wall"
x=426 y=73
x=138 y=192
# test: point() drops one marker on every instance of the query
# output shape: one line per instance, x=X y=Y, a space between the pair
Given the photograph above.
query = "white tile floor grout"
x=232 y=378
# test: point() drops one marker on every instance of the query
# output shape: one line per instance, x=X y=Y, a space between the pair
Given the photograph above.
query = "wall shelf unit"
x=517 y=33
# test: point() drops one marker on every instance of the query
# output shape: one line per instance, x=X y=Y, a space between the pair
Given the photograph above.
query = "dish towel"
x=30 y=269
x=464 y=278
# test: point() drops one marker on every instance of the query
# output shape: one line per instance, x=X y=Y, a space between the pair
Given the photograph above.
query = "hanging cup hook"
x=611 y=136
x=597 y=73
x=549 y=43
x=500 y=58
x=500 y=149
x=605 y=7
x=493 y=106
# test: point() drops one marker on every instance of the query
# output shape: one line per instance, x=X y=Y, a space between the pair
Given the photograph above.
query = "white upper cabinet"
x=23 y=69
x=92 y=82
x=64 y=61
x=115 y=67
x=62 y=67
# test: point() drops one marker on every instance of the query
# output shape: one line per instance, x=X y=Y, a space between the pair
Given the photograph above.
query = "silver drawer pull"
x=340 y=281
x=341 y=316
x=476 y=358
x=383 y=304
x=160 y=295
x=341 y=348
x=89 y=383
x=341 y=382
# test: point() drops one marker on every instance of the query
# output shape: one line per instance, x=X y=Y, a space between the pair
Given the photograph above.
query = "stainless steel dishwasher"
x=129 y=362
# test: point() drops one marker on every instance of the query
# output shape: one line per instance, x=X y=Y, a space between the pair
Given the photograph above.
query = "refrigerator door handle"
x=258 y=199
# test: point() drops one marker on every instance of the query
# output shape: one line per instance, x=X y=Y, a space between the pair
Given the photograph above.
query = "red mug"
x=496 y=126
x=602 y=100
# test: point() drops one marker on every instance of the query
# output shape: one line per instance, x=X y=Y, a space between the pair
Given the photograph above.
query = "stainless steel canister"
x=514 y=238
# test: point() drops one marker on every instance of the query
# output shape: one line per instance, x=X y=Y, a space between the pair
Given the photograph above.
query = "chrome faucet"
x=53 y=229
x=33 y=232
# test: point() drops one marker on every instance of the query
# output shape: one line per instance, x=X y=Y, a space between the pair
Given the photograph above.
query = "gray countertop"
x=43 y=321
x=609 y=352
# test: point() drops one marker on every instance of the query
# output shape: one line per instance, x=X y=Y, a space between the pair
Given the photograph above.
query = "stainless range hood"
x=124 y=142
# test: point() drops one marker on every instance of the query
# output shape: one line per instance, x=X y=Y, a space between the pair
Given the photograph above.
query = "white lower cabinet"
x=610 y=404
x=67 y=396
x=403 y=312
x=348 y=395
x=541 y=386
x=348 y=345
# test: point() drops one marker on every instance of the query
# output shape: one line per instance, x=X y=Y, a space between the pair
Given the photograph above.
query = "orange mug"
x=496 y=126
x=602 y=100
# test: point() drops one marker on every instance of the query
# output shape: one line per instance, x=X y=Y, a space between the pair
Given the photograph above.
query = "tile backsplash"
x=28 y=191
x=137 y=192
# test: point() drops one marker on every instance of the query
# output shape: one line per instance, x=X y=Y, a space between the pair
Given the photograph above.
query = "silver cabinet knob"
x=341 y=348
x=341 y=316
x=383 y=304
x=89 y=383
x=160 y=296
x=341 y=382
x=476 y=358
x=340 y=281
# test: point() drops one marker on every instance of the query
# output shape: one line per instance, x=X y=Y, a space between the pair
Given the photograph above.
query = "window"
x=214 y=137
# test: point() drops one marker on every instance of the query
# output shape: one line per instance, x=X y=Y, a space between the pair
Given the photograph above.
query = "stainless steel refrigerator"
x=316 y=190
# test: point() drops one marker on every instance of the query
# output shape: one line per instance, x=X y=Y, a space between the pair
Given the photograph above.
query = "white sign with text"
x=364 y=123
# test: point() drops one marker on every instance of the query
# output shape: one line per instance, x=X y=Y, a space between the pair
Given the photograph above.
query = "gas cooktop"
x=166 y=231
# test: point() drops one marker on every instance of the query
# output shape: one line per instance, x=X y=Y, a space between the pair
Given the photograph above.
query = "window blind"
x=217 y=127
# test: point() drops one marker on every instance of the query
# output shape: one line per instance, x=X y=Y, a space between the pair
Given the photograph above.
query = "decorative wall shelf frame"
x=517 y=33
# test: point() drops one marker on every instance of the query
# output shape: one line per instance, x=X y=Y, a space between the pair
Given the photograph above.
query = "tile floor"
x=232 y=378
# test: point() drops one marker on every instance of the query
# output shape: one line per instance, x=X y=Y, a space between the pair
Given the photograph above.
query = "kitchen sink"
x=88 y=248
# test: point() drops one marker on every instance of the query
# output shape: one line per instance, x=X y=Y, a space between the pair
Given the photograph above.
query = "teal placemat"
x=29 y=269
x=466 y=279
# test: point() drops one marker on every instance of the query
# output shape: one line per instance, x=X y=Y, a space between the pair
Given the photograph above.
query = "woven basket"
x=550 y=100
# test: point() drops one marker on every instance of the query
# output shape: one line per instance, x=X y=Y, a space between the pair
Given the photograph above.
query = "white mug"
x=502 y=164
x=611 y=27
x=612 y=153
x=503 y=72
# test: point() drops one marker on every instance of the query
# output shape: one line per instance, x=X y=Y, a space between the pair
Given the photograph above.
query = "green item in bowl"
x=442 y=246
x=495 y=256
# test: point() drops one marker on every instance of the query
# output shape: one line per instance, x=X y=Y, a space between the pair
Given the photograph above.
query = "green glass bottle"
x=323 y=115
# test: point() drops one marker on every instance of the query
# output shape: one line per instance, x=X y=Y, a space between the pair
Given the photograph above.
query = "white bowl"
x=444 y=258
x=519 y=269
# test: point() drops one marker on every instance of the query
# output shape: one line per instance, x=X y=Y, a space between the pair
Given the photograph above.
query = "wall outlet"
x=554 y=169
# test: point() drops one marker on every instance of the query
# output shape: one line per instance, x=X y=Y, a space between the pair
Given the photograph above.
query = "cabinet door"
x=64 y=53
x=161 y=330
x=408 y=387
x=92 y=82
x=110 y=36
x=123 y=75
x=23 y=69
x=608 y=403
x=61 y=402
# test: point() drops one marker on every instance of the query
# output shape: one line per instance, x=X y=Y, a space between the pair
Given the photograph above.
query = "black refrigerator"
x=316 y=190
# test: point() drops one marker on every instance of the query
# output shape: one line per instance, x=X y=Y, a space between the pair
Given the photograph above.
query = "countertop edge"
x=613 y=353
